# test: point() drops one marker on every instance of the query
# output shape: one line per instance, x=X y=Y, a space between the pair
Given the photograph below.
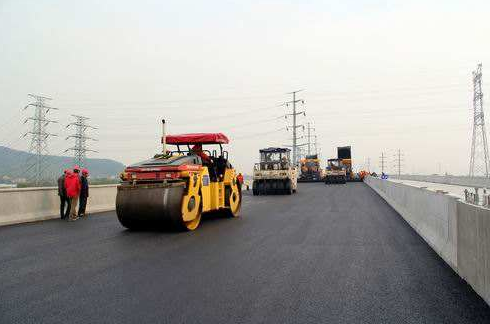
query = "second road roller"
x=175 y=188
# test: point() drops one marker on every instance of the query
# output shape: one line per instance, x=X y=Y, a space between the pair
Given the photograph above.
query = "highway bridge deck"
x=329 y=254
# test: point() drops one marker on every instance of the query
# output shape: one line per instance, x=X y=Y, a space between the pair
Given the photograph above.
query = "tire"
x=267 y=187
x=280 y=187
x=288 y=187
x=274 y=186
x=233 y=200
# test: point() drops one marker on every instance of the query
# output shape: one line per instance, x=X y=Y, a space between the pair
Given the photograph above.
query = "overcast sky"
x=378 y=75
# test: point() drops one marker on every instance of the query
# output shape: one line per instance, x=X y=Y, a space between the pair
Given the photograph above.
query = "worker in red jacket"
x=73 y=187
x=239 y=178
x=197 y=149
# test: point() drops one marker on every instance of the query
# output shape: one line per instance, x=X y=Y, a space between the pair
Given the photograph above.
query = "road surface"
x=329 y=254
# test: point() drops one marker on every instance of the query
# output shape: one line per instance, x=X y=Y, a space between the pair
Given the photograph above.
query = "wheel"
x=233 y=200
x=191 y=211
x=260 y=188
x=268 y=187
x=274 y=186
x=288 y=187
x=280 y=187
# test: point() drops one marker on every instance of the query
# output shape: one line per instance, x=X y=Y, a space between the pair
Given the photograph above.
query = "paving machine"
x=275 y=174
x=175 y=188
x=345 y=155
x=311 y=171
x=335 y=172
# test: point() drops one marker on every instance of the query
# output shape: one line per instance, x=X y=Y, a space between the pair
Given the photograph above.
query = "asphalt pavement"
x=327 y=254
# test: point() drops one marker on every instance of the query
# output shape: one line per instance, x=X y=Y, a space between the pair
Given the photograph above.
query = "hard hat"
x=85 y=171
x=76 y=167
x=67 y=171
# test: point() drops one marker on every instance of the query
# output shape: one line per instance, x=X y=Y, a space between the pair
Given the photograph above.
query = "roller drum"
x=144 y=206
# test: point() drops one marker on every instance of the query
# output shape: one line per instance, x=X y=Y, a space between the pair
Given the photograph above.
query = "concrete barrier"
x=22 y=205
x=432 y=214
x=474 y=247
x=457 y=231
x=479 y=182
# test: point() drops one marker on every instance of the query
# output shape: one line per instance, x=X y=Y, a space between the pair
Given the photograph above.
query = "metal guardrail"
x=476 y=198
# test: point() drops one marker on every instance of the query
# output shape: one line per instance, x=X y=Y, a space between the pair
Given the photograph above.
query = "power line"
x=479 y=146
x=39 y=136
x=80 y=149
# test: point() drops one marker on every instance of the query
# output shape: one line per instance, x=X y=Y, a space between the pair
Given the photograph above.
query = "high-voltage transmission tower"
x=479 y=164
x=398 y=162
x=39 y=137
x=295 y=126
x=80 y=149
x=315 y=144
x=309 y=136
x=382 y=162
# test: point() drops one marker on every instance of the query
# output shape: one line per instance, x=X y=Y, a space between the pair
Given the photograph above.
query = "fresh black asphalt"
x=328 y=254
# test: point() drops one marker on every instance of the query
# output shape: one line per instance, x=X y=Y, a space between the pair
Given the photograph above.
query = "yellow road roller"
x=175 y=188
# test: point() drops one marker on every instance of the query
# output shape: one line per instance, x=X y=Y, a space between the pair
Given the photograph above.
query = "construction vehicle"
x=335 y=172
x=311 y=171
x=345 y=155
x=275 y=174
x=175 y=188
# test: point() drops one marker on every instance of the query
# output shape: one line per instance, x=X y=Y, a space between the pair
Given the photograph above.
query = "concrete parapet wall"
x=457 y=231
x=474 y=247
x=479 y=182
x=34 y=204
x=431 y=214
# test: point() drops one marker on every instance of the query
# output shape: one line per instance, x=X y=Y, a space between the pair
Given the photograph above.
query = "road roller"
x=335 y=172
x=275 y=174
x=174 y=189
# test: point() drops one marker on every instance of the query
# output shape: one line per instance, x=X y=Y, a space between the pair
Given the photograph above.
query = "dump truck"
x=175 y=188
x=274 y=174
x=335 y=172
x=311 y=170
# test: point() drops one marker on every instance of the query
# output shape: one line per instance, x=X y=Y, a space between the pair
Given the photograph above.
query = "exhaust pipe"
x=164 y=138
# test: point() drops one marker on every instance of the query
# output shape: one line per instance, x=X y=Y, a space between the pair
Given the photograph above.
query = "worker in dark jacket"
x=64 y=200
x=83 y=193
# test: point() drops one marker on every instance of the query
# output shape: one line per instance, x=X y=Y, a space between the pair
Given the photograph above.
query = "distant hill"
x=13 y=164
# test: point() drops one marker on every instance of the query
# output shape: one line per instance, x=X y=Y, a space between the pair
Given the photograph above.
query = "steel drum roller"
x=156 y=205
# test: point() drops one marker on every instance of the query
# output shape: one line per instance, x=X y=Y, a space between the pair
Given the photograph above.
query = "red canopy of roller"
x=197 y=138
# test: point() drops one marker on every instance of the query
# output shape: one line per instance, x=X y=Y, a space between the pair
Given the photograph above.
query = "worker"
x=197 y=149
x=83 y=193
x=64 y=201
x=239 y=178
x=73 y=186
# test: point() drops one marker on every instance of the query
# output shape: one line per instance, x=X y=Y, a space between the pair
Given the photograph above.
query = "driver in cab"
x=197 y=149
